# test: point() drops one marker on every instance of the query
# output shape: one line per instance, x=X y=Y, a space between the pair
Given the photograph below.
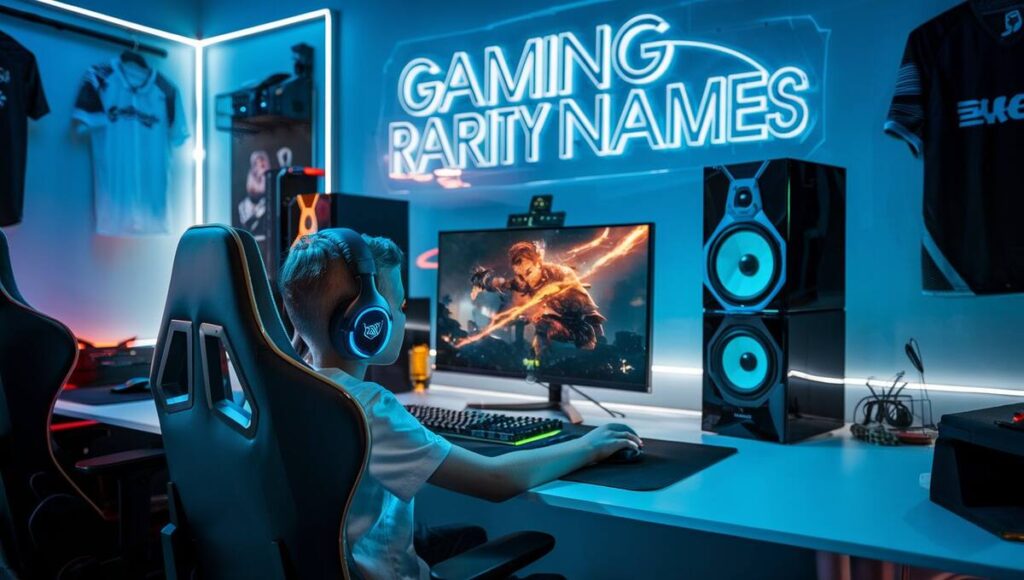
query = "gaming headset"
x=360 y=328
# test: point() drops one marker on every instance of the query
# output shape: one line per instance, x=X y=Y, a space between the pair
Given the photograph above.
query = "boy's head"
x=315 y=281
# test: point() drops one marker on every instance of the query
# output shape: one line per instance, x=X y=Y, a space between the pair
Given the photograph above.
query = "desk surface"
x=832 y=493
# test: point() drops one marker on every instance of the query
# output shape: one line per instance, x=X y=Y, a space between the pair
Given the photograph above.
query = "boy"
x=404 y=455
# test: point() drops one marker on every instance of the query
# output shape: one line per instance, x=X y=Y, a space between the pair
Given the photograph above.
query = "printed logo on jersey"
x=1013 y=23
x=975 y=112
x=371 y=331
x=116 y=113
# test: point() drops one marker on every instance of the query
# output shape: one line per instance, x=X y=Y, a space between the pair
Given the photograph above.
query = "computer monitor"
x=565 y=306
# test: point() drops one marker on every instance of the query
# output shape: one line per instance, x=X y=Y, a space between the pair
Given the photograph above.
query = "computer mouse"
x=132 y=386
x=627 y=455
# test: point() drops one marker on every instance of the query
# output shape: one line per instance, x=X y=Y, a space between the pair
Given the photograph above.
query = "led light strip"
x=854 y=381
x=328 y=149
x=697 y=371
x=199 y=151
x=120 y=22
x=328 y=100
x=671 y=370
x=938 y=387
x=260 y=28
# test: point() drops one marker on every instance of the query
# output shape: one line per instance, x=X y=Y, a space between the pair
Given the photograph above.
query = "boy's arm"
x=504 y=477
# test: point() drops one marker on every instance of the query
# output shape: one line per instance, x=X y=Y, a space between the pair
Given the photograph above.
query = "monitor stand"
x=558 y=400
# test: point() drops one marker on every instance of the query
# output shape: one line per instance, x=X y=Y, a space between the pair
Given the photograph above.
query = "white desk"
x=139 y=416
x=832 y=494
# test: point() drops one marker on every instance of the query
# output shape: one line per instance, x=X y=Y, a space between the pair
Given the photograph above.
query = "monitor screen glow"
x=568 y=305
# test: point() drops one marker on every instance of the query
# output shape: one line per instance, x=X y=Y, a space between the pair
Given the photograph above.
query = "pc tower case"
x=375 y=216
x=775 y=377
x=774 y=237
x=308 y=213
x=283 y=186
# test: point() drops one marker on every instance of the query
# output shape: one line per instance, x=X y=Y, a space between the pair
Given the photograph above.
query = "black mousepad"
x=662 y=464
x=102 y=396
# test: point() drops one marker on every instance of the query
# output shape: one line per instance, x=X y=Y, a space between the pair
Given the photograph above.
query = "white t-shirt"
x=134 y=117
x=403 y=456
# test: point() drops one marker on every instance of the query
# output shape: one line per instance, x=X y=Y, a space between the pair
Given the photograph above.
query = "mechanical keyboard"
x=481 y=426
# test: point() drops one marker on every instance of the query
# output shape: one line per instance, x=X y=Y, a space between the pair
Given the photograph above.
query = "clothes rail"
x=125 y=42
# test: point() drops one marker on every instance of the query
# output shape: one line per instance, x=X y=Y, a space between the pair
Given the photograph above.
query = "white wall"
x=103 y=288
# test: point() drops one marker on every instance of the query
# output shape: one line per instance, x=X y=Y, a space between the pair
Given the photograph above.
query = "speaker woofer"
x=744 y=263
x=743 y=362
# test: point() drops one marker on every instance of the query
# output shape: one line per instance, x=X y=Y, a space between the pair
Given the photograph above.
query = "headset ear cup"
x=364 y=329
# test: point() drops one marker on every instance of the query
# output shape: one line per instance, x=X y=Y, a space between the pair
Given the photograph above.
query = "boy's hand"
x=607 y=439
x=504 y=477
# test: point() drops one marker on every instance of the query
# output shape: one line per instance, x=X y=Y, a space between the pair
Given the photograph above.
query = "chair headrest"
x=218 y=276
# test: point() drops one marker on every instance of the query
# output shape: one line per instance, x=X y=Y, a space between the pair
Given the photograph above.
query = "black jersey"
x=959 y=103
x=21 y=98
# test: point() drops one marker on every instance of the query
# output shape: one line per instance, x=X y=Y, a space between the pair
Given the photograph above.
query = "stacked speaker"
x=774 y=299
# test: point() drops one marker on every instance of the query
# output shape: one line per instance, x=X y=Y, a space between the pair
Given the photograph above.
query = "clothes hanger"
x=132 y=56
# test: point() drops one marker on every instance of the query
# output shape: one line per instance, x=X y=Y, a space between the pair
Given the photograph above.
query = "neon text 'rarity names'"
x=618 y=91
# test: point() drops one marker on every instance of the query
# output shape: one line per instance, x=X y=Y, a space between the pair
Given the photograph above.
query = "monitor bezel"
x=540 y=377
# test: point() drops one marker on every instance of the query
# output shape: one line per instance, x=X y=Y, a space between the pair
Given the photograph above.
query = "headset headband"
x=358 y=255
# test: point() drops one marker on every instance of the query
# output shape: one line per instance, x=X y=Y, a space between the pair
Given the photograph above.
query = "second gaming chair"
x=264 y=453
x=48 y=527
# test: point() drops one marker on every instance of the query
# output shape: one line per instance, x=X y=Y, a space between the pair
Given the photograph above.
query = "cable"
x=615 y=414
x=884 y=406
x=913 y=351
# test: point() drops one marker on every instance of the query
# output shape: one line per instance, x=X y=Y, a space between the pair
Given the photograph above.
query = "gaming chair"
x=48 y=527
x=264 y=453
x=261 y=478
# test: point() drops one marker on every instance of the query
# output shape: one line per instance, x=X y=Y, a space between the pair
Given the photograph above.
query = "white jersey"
x=134 y=116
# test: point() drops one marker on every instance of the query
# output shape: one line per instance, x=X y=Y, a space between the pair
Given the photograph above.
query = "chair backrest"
x=37 y=354
x=264 y=471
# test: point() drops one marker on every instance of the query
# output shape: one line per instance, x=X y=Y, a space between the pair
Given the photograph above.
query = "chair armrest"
x=497 y=559
x=123 y=462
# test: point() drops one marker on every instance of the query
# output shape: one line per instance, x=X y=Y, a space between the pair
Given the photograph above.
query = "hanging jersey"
x=21 y=98
x=134 y=116
x=959 y=103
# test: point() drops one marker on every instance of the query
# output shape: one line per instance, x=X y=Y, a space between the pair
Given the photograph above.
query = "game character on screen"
x=569 y=314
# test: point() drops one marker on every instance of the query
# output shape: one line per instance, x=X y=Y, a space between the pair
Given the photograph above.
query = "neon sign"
x=563 y=97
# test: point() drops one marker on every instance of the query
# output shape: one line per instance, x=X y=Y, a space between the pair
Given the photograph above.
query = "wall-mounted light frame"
x=198 y=45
